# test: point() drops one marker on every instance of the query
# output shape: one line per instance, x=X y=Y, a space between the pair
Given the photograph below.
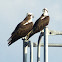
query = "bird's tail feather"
x=9 y=41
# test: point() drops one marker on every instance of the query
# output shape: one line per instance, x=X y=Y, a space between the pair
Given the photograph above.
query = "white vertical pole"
x=45 y=44
x=38 y=53
x=31 y=51
x=24 y=50
x=38 y=47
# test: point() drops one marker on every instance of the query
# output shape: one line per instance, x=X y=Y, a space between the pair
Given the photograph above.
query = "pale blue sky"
x=14 y=11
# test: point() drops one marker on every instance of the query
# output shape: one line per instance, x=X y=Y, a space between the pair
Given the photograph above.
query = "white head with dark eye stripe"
x=30 y=15
x=29 y=18
x=45 y=11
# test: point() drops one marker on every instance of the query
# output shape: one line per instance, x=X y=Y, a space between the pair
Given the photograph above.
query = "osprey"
x=22 y=29
x=40 y=23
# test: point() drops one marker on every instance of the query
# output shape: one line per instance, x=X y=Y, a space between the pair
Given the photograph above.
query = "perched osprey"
x=22 y=29
x=40 y=23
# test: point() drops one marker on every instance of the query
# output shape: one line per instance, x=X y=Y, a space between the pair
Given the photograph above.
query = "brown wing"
x=20 y=25
x=21 y=32
x=38 y=26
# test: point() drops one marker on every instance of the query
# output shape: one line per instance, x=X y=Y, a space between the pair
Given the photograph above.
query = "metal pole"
x=31 y=51
x=45 y=44
x=38 y=53
x=24 y=50
x=38 y=48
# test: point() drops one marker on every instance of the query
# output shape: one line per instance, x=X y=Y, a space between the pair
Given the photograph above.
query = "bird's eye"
x=30 y=15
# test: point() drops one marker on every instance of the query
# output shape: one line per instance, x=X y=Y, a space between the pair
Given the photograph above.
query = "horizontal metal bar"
x=53 y=32
x=53 y=45
x=49 y=45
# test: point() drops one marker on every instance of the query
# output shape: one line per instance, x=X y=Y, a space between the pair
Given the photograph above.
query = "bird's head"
x=45 y=11
x=30 y=15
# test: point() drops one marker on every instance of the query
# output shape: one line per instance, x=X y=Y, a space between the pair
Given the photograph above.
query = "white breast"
x=45 y=14
x=28 y=22
x=42 y=17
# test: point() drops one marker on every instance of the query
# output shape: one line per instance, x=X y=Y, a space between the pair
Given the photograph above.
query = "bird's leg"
x=28 y=35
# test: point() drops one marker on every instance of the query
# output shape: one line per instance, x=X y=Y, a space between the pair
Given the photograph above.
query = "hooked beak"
x=44 y=10
x=33 y=16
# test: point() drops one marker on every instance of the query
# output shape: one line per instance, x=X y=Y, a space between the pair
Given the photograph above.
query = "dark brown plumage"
x=39 y=24
x=22 y=29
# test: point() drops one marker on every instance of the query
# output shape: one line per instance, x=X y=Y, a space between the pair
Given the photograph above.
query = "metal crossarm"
x=49 y=45
x=53 y=32
x=27 y=43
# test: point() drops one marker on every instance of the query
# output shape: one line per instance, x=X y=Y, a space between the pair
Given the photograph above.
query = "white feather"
x=42 y=17
x=10 y=39
x=28 y=22
x=45 y=14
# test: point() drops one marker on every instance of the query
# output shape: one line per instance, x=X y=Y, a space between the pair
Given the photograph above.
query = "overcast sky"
x=14 y=11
